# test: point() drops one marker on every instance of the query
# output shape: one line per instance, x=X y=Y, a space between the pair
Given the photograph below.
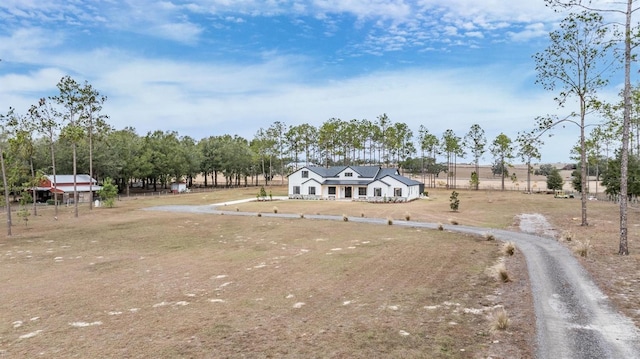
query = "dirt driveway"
x=574 y=319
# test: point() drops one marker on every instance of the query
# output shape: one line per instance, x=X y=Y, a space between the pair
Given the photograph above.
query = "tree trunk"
x=502 y=173
x=624 y=160
x=90 y=164
x=6 y=192
x=75 y=183
x=55 y=181
x=33 y=175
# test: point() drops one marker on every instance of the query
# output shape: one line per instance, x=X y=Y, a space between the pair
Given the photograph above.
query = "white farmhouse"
x=364 y=183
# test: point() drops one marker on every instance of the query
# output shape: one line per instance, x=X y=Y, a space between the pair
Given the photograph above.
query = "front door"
x=347 y=192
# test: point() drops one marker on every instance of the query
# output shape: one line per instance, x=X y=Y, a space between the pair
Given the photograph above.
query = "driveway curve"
x=574 y=319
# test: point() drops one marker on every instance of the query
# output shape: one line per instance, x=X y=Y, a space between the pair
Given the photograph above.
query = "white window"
x=377 y=192
x=305 y=174
x=312 y=190
x=397 y=192
x=362 y=191
x=296 y=189
x=332 y=191
x=348 y=174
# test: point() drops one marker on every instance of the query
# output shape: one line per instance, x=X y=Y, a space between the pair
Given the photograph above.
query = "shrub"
x=262 y=194
x=237 y=209
x=440 y=227
x=489 y=236
x=500 y=320
x=454 y=202
x=501 y=274
x=275 y=209
x=362 y=214
x=108 y=193
x=259 y=214
x=345 y=218
x=301 y=215
x=583 y=247
x=453 y=221
x=566 y=236
x=509 y=248
x=51 y=202
x=407 y=216
x=389 y=221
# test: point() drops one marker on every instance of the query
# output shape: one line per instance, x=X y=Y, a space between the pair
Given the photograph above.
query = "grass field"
x=124 y=282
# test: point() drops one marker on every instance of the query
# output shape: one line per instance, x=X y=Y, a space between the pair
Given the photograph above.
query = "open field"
x=124 y=282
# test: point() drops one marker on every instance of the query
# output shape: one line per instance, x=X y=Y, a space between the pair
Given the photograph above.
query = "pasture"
x=125 y=282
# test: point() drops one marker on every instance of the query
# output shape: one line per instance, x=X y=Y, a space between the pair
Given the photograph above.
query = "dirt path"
x=574 y=319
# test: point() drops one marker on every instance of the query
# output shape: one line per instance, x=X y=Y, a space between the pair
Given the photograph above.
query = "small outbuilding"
x=61 y=187
x=178 y=187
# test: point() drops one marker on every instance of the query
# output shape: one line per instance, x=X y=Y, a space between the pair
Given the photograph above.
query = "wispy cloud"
x=26 y=44
x=529 y=32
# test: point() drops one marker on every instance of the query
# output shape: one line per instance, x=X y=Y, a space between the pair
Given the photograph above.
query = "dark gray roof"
x=402 y=179
x=362 y=171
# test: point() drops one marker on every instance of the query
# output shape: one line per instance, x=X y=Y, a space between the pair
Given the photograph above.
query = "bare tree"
x=452 y=146
x=91 y=106
x=43 y=117
x=476 y=141
x=502 y=150
x=528 y=149
x=628 y=36
x=575 y=63
x=70 y=98
x=5 y=125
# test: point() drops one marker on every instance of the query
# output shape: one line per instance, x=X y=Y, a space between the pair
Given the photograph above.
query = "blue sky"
x=216 y=67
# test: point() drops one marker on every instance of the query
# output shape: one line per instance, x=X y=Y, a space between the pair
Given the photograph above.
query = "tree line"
x=68 y=133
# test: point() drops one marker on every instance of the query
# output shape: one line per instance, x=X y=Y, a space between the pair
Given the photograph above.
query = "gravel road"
x=574 y=319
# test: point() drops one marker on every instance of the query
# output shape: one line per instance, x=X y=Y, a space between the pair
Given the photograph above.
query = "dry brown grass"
x=566 y=236
x=124 y=282
x=500 y=272
x=582 y=248
x=500 y=320
x=509 y=248
x=134 y=270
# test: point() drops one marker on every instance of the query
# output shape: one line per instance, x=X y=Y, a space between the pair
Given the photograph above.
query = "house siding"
x=392 y=186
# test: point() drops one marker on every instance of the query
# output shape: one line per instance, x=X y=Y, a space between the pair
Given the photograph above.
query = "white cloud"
x=396 y=10
x=213 y=99
x=25 y=44
x=476 y=34
x=200 y=99
x=531 y=31
x=181 y=32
